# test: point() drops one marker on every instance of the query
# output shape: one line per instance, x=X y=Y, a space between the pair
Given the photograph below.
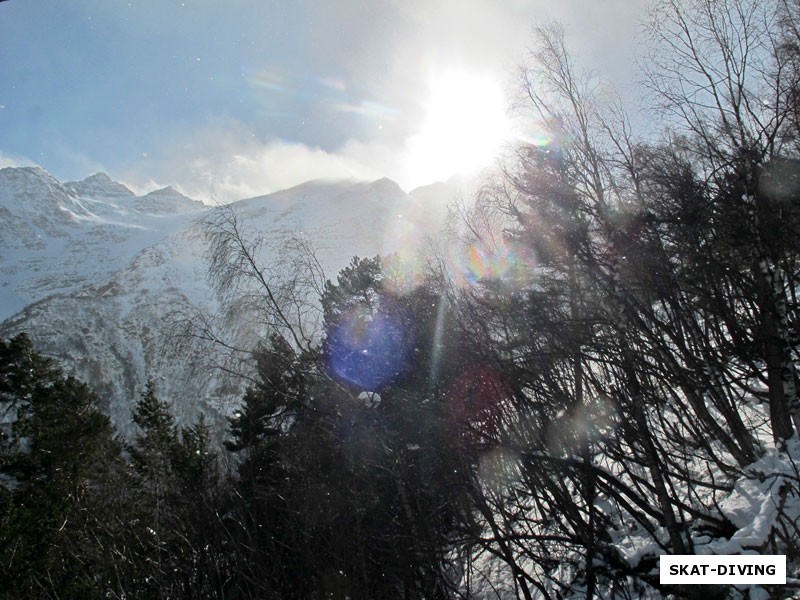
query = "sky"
x=228 y=100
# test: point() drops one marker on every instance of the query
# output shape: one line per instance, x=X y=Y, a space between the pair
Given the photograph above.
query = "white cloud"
x=225 y=162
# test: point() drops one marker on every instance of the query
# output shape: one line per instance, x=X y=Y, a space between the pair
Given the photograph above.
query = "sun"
x=463 y=128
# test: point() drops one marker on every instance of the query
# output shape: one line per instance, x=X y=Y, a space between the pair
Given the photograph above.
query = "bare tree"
x=722 y=71
x=264 y=283
x=634 y=350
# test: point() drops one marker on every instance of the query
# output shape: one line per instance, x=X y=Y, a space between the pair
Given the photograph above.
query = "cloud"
x=225 y=162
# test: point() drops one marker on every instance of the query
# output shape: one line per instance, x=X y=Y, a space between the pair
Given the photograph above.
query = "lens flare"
x=265 y=79
x=573 y=429
x=403 y=272
x=475 y=401
x=368 y=108
x=405 y=239
x=332 y=83
x=540 y=140
x=275 y=87
x=541 y=134
x=481 y=263
x=498 y=468
x=369 y=350
x=478 y=262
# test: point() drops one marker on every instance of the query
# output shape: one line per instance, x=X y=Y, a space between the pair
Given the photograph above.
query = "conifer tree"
x=176 y=536
x=58 y=466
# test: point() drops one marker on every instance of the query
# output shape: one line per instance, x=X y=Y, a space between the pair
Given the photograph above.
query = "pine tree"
x=156 y=532
x=58 y=462
x=196 y=461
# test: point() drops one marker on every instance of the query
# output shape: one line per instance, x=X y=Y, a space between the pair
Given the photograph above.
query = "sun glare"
x=464 y=126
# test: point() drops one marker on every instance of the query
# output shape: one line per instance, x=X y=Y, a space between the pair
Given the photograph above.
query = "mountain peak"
x=387 y=187
x=98 y=178
x=99 y=185
x=167 y=200
x=166 y=191
x=30 y=185
x=34 y=172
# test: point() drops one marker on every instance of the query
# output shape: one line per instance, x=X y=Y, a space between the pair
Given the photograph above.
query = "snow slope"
x=57 y=238
x=103 y=279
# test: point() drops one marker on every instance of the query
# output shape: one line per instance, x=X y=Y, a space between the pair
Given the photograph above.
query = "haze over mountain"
x=99 y=277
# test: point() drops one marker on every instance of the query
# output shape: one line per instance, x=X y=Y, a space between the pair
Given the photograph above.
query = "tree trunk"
x=775 y=355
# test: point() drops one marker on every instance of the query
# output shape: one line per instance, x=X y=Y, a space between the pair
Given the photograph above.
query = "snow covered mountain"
x=99 y=277
x=57 y=238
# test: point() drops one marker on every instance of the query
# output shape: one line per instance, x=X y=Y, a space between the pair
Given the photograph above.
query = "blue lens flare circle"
x=370 y=350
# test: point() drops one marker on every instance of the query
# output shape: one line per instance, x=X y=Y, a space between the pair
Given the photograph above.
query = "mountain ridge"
x=106 y=292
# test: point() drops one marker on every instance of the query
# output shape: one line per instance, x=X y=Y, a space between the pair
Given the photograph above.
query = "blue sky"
x=233 y=99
